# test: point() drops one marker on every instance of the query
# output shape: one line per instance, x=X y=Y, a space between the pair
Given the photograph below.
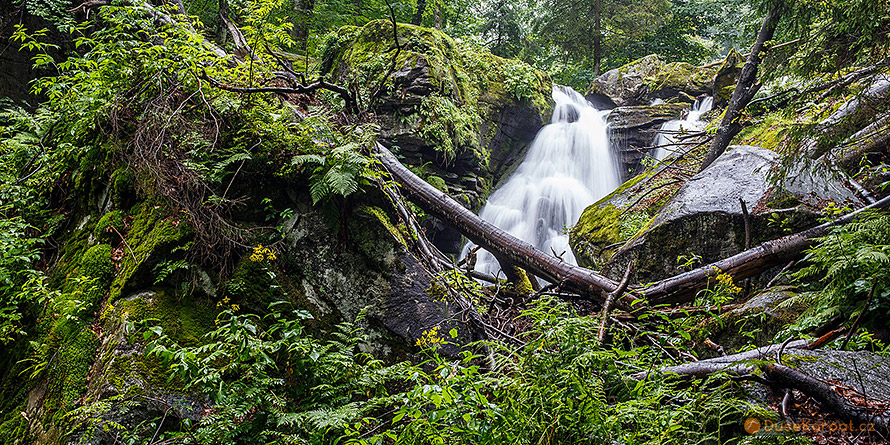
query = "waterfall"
x=669 y=131
x=568 y=167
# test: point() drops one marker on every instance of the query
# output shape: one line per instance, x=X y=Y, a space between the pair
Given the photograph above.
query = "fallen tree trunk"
x=778 y=374
x=683 y=288
x=677 y=289
x=500 y=243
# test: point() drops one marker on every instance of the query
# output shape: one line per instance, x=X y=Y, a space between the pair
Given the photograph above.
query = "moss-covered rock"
x=625 y=86
x=680 y=78
x=703 y=219
x=454 y=108
x=153 y=234
x=756 y=322
x=727 y=77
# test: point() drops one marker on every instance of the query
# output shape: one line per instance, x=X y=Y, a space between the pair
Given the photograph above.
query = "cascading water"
x=667 y=134
x=568 y=167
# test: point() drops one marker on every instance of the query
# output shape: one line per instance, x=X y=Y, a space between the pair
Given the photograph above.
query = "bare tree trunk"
x=437 y=15
x=505 y=247
x=681 y=288
x=597 y=36
x=302 y=21
x=418 y=12
x=745 y=89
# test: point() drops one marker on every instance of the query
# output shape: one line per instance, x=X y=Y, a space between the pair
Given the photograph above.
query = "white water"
x=568 y=167
x=669 y=131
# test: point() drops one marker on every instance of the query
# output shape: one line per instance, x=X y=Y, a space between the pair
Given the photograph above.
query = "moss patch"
x=677 y=77
x=153 y=234
x=597 y=228
x=444 y=89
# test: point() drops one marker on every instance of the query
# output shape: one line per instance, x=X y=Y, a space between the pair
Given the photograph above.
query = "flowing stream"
x=568 y=167
x=669 y=131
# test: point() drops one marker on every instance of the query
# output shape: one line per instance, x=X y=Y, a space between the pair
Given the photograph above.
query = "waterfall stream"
x=568 y=167
x=669 y=131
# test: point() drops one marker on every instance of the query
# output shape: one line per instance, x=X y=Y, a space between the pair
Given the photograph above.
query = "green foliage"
x=342 y=171
x=21 y=285
x=850 y=261
x=272 y=382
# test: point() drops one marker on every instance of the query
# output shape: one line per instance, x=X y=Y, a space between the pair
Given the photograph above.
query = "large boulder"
x=680 y=77
x=701 y=219
x=648 y=78
x=625 y=85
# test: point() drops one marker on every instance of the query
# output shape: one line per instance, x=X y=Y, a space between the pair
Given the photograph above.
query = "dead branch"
x=607 y=306
x=320 y=84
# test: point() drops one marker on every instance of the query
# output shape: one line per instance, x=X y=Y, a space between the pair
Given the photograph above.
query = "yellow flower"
x=430 y=338
x=261 y=253
x=236 y=308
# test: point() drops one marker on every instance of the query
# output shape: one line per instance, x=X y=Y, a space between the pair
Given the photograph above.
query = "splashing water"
x=669 y=131
x=568 y=167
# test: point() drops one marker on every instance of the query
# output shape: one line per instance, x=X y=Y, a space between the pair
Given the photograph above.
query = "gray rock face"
x=704 y=217
x=626 y=85
x=373 y=273
x=632 y=128
x=861 y=370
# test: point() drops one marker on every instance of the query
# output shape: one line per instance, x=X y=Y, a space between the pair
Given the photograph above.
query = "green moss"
x=597 y=228
x=123 y=188
x=437 y=182
x=681 y=76
x=107 y=224
x=254 y=284
x=153 y=234
x=184 y=320
x=14 y=426
x=468 y=83
x=770 y=133
x=74 y=361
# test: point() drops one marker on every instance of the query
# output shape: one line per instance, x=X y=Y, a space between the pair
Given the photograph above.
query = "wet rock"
x=861 y=370
x=702 y=218
x=634 y=127
x=627 y=85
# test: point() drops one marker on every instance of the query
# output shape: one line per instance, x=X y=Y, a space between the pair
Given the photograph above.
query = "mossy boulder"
x=680 y=78
x=373 y=275
x=726 y=78
x=756 y=322
x=627 y=85
x=648 y=78
x=456 y=109
x=704 y=219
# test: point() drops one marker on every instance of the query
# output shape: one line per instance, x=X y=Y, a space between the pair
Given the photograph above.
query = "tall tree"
x=582 y=30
